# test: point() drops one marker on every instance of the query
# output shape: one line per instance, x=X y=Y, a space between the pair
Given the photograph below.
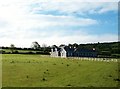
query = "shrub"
x=16 y=52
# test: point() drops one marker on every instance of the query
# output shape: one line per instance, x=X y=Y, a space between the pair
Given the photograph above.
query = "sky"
x=55 y=22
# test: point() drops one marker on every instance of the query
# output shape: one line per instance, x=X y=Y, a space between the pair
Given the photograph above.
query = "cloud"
x=51 y=22
x=3 y=23
x=57 y=40
x=73 y=7
x=24 y=38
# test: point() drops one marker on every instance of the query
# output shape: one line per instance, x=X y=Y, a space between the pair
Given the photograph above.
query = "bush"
x=1 y=51
x=16 y=52
x=115 y=55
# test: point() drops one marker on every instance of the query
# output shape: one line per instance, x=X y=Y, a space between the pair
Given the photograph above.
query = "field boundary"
x=92 y=59
x=95 y=59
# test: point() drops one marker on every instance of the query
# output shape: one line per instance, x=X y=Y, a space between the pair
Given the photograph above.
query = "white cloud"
x=56 y=38
x=18 y=21
x=74 y=6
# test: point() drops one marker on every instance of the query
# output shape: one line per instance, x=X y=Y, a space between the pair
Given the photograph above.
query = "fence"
x=94 y=59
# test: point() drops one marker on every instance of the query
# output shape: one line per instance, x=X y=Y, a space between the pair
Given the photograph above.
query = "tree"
x=75 y=45
x=35 y=45
x=70 y=45
x=44 y=45
x=54 y=46
x=12 y=47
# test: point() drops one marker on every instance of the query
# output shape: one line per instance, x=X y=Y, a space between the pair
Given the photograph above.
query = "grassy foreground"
x=42 y=71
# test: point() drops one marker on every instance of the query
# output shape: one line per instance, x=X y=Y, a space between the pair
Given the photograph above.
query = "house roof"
x=71 y=49
x=54 y=47
x=85 y=50
x=68 y=49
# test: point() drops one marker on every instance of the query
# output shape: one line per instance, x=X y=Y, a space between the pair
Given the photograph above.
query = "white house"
x=63 y=53
x=54 y=52
x=67 y=51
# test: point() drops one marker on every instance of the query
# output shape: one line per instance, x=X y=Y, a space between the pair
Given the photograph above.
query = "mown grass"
x=43 y=71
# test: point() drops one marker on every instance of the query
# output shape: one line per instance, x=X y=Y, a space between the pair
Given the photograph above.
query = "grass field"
x=43 y=71
x=23 y=51
x=0 y=71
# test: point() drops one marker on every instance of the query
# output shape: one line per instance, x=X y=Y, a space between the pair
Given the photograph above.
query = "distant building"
x=72 y=52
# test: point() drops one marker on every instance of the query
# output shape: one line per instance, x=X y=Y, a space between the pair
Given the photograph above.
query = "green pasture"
x=23 y=51
x=0 y=71
x=20 y=70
